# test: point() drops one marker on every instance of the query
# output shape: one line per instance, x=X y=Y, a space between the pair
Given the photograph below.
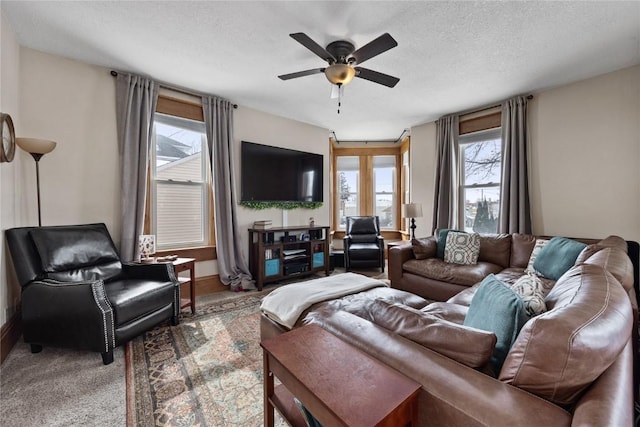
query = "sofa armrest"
x=398 y=255
x=68 y=314
x=162 y=272
x=451 y=393
x=609 y=400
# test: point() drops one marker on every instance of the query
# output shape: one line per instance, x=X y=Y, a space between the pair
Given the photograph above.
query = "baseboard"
x=206 y=285
x=10 y=333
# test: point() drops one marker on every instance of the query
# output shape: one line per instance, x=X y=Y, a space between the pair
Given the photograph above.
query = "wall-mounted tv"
x=274 y=174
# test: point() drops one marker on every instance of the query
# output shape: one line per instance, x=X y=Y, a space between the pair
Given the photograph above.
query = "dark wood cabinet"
x=285 y=252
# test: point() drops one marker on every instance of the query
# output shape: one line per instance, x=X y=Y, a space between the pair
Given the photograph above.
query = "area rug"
x=207 y=371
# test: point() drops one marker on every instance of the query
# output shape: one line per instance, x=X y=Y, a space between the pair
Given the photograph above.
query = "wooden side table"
x=184 y=264
x=338 y=383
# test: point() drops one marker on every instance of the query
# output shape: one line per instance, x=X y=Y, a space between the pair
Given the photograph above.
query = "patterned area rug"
x=205 y=372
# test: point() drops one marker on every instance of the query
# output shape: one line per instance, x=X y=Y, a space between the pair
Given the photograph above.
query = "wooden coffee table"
x=338 y=383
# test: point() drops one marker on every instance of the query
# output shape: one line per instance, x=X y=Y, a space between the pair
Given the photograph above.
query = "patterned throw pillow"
x=529 y=288
x=536 y=250
x=462 y=248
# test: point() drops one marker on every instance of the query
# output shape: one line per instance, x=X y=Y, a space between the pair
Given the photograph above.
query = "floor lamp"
x=37 y=148
x=413 y=211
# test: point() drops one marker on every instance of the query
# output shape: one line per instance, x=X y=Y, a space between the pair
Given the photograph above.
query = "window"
x=480 y=173
x=366 y=181
x=384 y=186
x=405 y=181
x=180 y=183
x=348 y=200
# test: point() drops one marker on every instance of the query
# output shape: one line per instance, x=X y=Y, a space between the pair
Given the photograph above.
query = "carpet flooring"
x=60 y=388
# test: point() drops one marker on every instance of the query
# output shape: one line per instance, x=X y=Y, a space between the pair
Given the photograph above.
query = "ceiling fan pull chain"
x=339 y=96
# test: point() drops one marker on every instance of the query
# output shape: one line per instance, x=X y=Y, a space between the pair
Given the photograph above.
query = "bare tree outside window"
x=481 y=163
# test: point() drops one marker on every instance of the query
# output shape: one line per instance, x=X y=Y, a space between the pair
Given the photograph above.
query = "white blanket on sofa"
x=285 y=304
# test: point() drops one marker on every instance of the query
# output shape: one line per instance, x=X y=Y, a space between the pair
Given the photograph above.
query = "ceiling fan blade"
x=376 y=77
x=374 y=48
x=301 y=74
x=314 y=47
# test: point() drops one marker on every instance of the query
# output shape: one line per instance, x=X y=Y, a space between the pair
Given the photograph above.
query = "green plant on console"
x=281 y=205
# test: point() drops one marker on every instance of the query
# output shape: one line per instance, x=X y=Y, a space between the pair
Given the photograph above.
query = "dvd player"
x=295 y=267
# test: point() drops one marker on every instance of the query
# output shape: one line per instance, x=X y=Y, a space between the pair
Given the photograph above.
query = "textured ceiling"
x=451 y=56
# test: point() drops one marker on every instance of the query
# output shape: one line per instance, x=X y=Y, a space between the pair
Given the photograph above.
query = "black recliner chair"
x=77 y=293
x=363 y=243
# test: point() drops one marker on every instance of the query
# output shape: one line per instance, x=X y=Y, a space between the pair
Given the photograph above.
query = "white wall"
x=10 y=184
x=585 y=152
x=263 y=128
x=585 y=157
x=73 y=104
x=422 y=156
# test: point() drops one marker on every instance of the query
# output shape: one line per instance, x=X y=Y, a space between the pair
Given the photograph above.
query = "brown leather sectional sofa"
x=572 y=365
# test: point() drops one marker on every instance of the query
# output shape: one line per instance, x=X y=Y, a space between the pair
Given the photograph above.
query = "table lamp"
x=147 y=245
x=413 y=211
x=37 y=148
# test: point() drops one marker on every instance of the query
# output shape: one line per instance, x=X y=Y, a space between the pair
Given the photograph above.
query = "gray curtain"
x=232 y=266
x=136 y=99
x=445 y=200
x=515 y=212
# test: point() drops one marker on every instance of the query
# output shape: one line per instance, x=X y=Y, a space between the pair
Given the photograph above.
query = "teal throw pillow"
x=557 y=256
x=442 y=241
x=497 y=308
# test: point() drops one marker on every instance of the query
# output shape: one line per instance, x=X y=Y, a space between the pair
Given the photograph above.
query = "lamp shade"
x=412 y=210
x=340 y=73
x=36 y=145
x=147 y=244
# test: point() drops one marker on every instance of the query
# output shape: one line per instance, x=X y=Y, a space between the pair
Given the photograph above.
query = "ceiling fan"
x=342 y=58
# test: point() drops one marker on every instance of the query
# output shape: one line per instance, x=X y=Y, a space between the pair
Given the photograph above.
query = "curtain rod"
x=484 y=107
x=395 y=141
x=177 y=89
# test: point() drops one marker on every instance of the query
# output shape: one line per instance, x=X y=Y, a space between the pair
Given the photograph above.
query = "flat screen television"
x=274 y=174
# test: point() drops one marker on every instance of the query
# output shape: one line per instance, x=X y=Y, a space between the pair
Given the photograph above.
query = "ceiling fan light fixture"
x=341 y=74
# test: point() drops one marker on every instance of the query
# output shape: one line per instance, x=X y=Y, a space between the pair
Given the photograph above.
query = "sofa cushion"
x=462 y=248
x=364 y=251
x=448 y=311
x=616 y=262
x=467 y=345
x=587 y=253
x=363 y=238
x=496 y=308
x=363 y=225
x=77 y=253
x=496 y=249
x=424 y=248
x=530 y=289
x=464 y=297
x=437 y=269
x=540 y=243
x=133 y=298
x=561 y=352
x=521 y=248
x=614 y=242
x=557 y=256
